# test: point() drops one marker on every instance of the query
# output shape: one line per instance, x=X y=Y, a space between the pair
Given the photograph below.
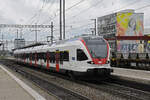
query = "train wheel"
x=71 y=75
x=107 y=75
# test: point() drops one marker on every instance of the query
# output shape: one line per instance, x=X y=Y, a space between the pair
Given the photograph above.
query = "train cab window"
x=66 y=56
x=81 y=56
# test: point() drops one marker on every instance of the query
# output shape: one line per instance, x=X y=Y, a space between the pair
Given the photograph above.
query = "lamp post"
x=94 y=25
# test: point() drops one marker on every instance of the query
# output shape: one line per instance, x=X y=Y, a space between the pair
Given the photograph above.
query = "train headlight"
x=90 y=62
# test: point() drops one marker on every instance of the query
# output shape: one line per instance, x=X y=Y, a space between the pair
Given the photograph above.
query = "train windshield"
x=97 y=47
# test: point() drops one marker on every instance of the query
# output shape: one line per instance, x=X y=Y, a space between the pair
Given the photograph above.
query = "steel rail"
x=60 y=92
x=124 y=92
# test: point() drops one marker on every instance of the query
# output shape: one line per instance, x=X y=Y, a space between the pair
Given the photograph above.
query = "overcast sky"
x=78 y=14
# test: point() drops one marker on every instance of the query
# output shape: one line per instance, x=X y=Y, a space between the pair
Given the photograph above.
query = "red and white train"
x=86 y=55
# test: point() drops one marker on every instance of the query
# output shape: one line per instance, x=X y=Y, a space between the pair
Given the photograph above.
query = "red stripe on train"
x=47 y=66
x=57 y=61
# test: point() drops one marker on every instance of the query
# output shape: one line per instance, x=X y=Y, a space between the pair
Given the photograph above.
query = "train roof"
x=45 y=47
x=76 y=38
x=30 y=45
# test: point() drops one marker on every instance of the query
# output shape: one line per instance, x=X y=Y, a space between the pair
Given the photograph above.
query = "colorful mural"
x=121 y=24
x=129 y=24
x=125 y=23
x=148 y=46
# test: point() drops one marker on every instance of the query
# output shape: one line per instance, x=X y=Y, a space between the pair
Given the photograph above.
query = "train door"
x=81 y=57
x=77 y=57
x=57 y=56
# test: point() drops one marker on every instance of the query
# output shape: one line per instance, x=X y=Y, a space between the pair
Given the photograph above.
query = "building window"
x=81 y=56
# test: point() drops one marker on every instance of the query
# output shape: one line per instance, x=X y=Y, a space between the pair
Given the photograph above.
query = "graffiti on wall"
x=148 y=48
x=130 y=47
x=129 y=24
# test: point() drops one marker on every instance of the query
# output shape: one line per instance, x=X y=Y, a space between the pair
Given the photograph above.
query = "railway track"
x=130 y=83
x=60 y=93
x=122 y=91
x=119 y=90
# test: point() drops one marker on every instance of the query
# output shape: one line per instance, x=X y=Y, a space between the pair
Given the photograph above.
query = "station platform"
x=132 y=75
x=12 y=88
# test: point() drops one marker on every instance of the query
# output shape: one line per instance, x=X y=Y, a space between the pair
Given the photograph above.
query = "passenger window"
x=81 y=56
x=40 y=56
x=52 y=57
x=44 y=57
x=30 y=56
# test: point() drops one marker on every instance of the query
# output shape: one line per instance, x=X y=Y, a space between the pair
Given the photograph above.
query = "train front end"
x=99 y=51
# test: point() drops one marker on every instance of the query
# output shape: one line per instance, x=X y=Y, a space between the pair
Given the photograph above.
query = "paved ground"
x=10 y=90
x=137 y=75
x=14 y=86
